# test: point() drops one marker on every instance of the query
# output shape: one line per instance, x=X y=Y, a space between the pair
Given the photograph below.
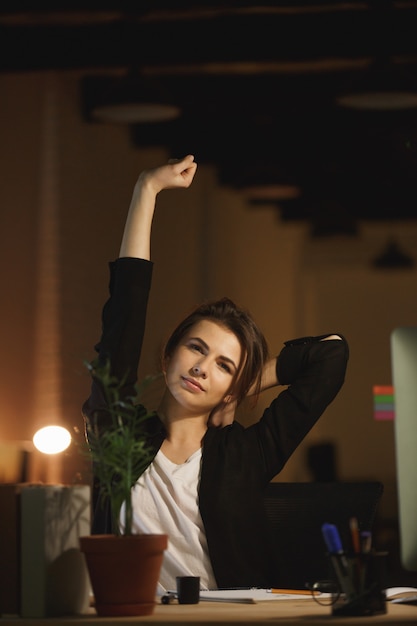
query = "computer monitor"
x=404 y=379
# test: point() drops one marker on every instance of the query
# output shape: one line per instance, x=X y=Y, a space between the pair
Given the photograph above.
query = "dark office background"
x=304 y=210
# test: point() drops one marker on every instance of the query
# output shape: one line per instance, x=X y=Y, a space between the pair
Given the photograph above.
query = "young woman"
x=204 y=487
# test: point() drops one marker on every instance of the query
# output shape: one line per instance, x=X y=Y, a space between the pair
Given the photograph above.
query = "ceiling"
x=257 y=84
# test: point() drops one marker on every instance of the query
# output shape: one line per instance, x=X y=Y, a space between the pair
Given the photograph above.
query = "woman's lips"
x=192 y=384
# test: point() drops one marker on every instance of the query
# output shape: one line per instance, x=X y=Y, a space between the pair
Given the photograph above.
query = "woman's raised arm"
x=137 y=231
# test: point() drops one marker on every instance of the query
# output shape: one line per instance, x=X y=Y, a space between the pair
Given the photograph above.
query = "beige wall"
x=207 y=242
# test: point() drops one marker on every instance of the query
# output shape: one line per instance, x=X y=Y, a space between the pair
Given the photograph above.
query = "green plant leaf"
x=117 y=442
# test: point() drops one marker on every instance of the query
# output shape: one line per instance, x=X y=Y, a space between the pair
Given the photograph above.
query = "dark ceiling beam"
x=229 y=38
x=256 y=84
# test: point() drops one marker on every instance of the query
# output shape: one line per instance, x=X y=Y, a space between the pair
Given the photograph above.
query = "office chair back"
x=296 y=512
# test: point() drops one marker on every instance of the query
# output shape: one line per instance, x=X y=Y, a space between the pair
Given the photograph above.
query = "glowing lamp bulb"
x=52 y=439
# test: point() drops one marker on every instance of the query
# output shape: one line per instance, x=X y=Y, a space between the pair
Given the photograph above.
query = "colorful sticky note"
x=384 y=405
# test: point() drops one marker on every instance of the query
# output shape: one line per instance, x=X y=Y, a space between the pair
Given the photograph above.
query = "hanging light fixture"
x=392 y=257
x=384 y=87
x=263 y=182
x=130 y=99
x=271 y=192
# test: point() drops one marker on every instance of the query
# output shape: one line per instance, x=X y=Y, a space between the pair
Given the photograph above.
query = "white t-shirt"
x=165 y=500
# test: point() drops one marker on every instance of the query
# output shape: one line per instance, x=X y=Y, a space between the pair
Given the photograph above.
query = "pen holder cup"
x=361 y=580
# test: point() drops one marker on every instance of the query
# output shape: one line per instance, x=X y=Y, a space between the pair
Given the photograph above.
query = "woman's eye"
x=225 y=367
x=197 y=347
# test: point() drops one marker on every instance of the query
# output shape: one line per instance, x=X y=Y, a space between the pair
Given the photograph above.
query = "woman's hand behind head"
x=223 y=414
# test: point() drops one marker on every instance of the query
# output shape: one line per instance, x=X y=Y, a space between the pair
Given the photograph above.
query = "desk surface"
x=281 y=612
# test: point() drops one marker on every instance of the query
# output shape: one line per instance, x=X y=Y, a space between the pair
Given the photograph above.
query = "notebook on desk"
x=252 y=596
x=402 y=595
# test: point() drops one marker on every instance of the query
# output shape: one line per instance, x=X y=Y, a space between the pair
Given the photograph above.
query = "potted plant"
x=124 y=567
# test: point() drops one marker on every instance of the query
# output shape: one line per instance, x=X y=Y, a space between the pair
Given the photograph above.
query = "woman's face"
x=200 y=372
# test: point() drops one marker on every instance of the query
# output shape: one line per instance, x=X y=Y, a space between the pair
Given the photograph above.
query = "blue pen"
x=332 y=538
x=335 y=548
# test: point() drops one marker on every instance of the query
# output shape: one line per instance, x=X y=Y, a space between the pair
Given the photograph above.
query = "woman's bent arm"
x=137 y=232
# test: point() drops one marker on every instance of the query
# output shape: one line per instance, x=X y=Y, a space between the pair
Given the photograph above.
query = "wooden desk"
x=281 y=612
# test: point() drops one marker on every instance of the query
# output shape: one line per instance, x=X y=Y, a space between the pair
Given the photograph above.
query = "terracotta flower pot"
x=124 y=572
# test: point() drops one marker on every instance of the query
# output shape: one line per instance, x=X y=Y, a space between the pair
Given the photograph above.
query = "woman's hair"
x=252 y=341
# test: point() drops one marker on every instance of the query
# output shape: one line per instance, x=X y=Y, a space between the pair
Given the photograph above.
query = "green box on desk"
x=42 y=571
